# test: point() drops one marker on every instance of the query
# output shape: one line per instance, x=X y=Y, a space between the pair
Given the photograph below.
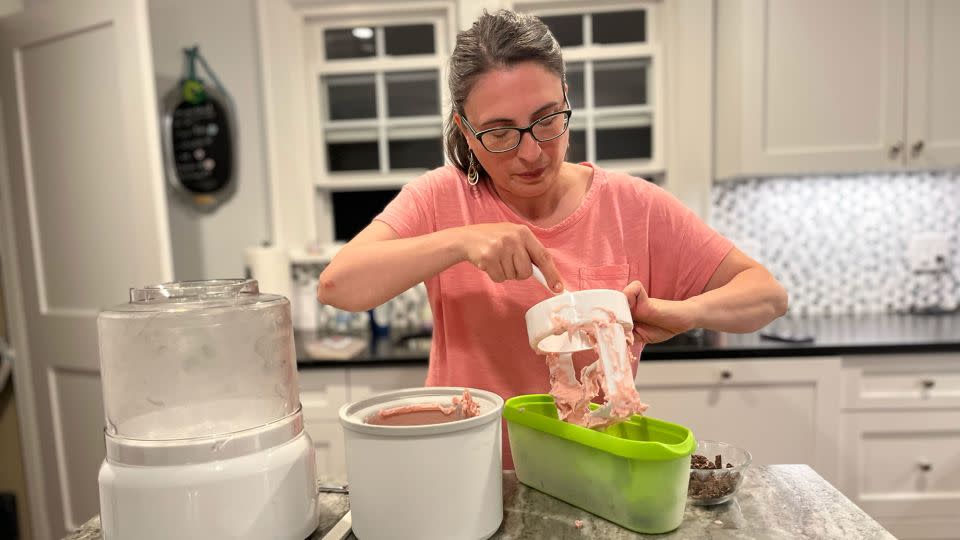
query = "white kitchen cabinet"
x=829 y=87
x=366 y=381
x=324 y=390
x=902 y=382
x=781 y=410
x=933 y=83
x=901 y=442
x=904 y=470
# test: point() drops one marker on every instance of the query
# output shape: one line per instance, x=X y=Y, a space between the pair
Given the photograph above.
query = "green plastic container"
x=634 y=474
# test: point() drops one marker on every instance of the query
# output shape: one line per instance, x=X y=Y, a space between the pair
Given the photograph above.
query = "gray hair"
x=495 y=41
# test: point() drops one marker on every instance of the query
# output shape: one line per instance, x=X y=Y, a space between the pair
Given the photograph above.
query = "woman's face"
x=516 y=97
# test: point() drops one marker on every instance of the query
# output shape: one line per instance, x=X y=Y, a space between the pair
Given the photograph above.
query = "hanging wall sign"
x=199 y=138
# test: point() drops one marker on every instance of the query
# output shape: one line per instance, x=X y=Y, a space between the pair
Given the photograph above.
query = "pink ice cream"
x=573 y=397
x=419 y=414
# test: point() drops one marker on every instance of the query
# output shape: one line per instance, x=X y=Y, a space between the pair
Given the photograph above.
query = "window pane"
x=349 y=42
x=416 y=154
x=351 y=96
x=410 y=39
x=568 y=29
x=620 y=27
x=413 y=93
x=624 y=143
x=575 y=84
x=354 y=156
x=354 y=210
x=620 y=82
x=577 y=151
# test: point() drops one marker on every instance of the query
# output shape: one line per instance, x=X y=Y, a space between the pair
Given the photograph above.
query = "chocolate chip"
x=709 y=480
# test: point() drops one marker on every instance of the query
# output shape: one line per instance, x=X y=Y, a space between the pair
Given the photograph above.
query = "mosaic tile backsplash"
x=839 y=243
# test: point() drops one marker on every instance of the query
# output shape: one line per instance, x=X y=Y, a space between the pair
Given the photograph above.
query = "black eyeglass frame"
x=529 y=129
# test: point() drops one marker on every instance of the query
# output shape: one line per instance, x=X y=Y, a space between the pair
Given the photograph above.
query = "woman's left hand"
x=656 y=320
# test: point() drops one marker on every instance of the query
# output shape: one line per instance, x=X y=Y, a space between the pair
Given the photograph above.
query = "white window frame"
x=590 y=118
x=442 y=19
x=320 y=14
x=300 y=187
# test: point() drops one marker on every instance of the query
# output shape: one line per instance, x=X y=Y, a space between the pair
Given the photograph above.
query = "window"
x=379 y=94
x=375 y=84
x=613 y=75
x=356 y=209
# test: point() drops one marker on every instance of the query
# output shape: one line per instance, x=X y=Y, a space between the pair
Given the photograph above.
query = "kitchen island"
x=774 y=502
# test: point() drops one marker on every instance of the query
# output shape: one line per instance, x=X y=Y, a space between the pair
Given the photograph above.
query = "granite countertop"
x=838 y=335
x=774 y=502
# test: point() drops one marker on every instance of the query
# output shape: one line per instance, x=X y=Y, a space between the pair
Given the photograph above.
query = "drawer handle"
x=726 y=374
x=928 y=383
x=925 y=466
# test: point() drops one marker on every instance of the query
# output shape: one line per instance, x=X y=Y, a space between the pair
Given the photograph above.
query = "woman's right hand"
x=507 y=251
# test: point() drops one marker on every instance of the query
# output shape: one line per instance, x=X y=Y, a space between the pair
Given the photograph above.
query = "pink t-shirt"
x=625 y=229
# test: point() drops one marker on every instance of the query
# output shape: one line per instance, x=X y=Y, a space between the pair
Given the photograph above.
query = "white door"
x=84 y=219
x=933 y=84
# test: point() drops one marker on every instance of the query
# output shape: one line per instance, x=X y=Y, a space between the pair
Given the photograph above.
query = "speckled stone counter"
x=774 y=502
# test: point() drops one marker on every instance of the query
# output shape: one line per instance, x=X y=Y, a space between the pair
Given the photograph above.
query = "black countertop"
x=838 y=335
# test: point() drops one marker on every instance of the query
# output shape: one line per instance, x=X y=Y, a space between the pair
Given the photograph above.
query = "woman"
x=472 y=229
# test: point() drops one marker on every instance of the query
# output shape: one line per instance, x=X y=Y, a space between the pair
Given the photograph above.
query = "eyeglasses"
x=505 y=139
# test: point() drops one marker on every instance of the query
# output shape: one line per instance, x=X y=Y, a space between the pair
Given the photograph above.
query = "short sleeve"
x=410 y=213
x=685 y=251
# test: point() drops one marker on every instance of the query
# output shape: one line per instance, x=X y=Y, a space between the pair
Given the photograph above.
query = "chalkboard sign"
x=199 y=142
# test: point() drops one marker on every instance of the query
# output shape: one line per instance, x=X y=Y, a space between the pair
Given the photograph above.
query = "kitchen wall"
x=839 y=243
x=212 y=245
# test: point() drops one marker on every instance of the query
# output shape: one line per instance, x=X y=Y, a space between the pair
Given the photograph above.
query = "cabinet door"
x=904 y=469
x=322 y=392
x=369 y=381
x=933 y=84
x=781 y=411
x=812 y=86
x=328 y=444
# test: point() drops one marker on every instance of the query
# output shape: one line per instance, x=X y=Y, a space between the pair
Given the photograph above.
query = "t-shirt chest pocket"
x=613 y=276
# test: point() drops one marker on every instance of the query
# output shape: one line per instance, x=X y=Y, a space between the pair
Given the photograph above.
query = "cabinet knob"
x=896 y=149
x=916 y=148
x=925 y=466
x=928 y=383
x=726 y=374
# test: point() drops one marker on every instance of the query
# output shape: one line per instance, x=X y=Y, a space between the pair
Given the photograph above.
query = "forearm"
x=365 y=275
x=748 y=302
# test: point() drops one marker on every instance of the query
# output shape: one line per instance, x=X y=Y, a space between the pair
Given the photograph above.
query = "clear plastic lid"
x=196 y=359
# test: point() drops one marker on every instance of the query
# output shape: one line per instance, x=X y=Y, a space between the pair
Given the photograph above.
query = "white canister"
x=440 y=481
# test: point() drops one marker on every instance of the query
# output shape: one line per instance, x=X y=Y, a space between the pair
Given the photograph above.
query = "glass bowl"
x=709 y=486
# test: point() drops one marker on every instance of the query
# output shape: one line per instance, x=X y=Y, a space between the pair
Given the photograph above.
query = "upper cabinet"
x=933 y=84
x=827 y=87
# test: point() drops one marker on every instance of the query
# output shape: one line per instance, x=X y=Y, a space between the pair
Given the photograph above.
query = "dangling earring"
x=472 y=175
